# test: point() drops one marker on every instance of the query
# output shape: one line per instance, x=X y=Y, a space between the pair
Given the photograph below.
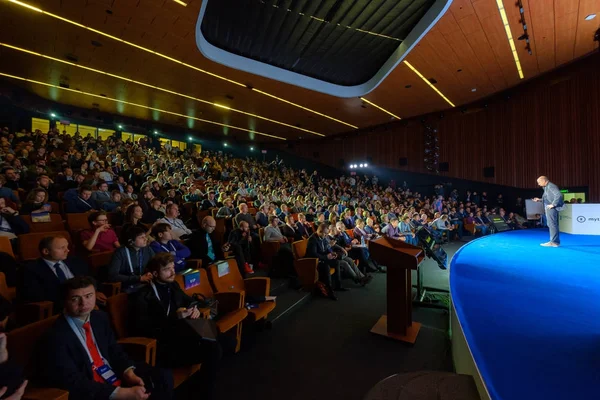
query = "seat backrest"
x=55 y=207
x=299 y=248
x=99 y=260
x=118 y=313
x=77 y=222
x=5 y=246
x=28 y=243
x=4 y=292
x=21 y=342
x=230 y=279
x=55 y=224
x=113 y=218
x=203 y=288
x=350 y=232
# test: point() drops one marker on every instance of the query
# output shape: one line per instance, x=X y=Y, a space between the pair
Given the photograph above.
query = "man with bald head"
x=553 y=202
x=203 y=245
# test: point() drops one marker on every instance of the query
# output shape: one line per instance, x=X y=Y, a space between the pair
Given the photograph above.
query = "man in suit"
x=80 y=354
x=553 y=202
x=41 y=278
x=318 y=247
x=203 y=245
x=80 y=201
x=244 y=248
x=210 y=202
x=158 y=311
x=290 y=229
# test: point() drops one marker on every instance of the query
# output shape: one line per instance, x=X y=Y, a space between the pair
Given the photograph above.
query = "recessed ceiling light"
x=180 y=2
x=590 y=17
x=474 y=90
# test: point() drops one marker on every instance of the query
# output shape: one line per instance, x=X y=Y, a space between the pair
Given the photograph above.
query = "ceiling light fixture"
x=180 y=2
x=157 y=88
x=379 y=107
x=590 y=17
x=511 y=41
x=22 y=4
x=420 y=75
x=140 y=105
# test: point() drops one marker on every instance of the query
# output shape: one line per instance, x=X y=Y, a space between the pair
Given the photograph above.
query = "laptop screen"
x=191 y=279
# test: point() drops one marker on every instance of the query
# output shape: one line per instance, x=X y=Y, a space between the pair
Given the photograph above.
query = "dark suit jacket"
x=289 y=232
x=39 y=283
x=64 y=363
x=199 y=247
x=303 y=230
x=16 y=223
x=318 y=248
x=207 y=205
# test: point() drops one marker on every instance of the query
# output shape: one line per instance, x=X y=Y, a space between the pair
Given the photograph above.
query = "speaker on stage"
x=498 y=223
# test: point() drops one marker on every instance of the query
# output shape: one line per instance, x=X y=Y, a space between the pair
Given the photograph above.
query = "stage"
x=528 y=315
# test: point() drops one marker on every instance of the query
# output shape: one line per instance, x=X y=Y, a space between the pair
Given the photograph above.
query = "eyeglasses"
x=102 y=220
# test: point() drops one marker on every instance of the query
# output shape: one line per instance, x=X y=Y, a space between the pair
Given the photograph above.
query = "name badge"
x=107 y=374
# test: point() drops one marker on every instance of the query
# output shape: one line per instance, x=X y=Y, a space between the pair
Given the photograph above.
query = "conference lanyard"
x=167 y=250
x=140 y=259
x=83 y=342
x=158 y=297
x=88 y=204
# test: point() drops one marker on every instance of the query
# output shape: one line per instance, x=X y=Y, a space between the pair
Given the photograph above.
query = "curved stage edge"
x=525 y=319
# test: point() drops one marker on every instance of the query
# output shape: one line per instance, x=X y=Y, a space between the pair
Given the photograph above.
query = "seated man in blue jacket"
x=164 y=243
x=80 y=201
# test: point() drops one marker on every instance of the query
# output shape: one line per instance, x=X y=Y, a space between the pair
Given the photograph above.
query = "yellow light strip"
x=381 y=108
x=157 y=88
x=139 y=105
x=510 y=37
x=180 y=2
x=429 y=83
x=20 y=3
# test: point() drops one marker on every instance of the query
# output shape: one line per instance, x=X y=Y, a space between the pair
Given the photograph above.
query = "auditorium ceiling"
x=139 y=58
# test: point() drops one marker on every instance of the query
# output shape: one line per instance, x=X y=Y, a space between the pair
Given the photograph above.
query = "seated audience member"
x=154 y=213
x=272 y=233
x=11 y=224
x=303 y=228
x=165 y=243
x=80 y=201
x=353 y=247
x=244 y=215
x=114 y=203
x=41 y=278
x=227 y=211
x=262 y=216
x=392 y=230
x=36 y=202
x=178 y=228
x=81 y=355
x=310 y=214
x=290 y=230
x=480 y=225
x=129 y=261
x=158 y=311
x=12 y=179
x=318 y=247
x=360 y=231
x=320 y=219
x=348 y=219
x=101 y=237
x=284 y=212
x=371 y=229
x=133 y=217
x=407 y=233
x=12 y=384
x=240 y=242
x=203 y=245
x=102 y=195
x=43 y=181
x=210 y=202
x=8 y=192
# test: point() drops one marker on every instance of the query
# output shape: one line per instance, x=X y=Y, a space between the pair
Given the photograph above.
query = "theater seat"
x=231 y=281
x=306 y=268
x=231 y=306
x=77 y=222
x=5 y=246
x=55 y=224
x=21 y=346
x=469 y=227
x=98 y=263
x=28 y=243
x=139 y=348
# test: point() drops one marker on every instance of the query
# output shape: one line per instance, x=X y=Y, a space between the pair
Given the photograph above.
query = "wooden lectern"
x=400 y=258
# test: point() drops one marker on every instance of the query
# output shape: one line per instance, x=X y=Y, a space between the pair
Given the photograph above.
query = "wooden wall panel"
x=549 y=126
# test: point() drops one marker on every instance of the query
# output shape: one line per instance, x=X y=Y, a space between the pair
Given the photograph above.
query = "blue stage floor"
x=531 y=314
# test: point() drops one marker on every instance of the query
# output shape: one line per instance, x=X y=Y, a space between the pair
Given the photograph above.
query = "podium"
x=400 y=258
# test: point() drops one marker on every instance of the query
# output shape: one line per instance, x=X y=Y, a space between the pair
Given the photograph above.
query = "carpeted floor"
x=324 y=350
x=531 y=314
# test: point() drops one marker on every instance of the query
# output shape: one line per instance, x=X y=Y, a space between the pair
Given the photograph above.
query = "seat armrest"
x=33 y=312
x=230 y=301
x=140 y=349
x=306 y=268
x=204 y=313
x=11 y=293
x=110 y=289
x=45 y=394
x=258 y=286
x=193 y=263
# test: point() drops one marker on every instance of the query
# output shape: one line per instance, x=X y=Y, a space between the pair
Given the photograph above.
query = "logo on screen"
x=581 y=219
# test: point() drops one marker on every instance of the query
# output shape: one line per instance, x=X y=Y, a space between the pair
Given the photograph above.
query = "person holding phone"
x=158 y=310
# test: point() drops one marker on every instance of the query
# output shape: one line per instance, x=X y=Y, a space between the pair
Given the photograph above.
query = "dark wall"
x=549 y=126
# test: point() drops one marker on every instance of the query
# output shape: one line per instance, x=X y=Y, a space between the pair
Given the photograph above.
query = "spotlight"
x=251 y=148
x=225 y=144
x=156 y=132
x=190 y=138
x=366 y=165
x=53 y=115
x=120 y=126
x=361 y=165
x=351 y=166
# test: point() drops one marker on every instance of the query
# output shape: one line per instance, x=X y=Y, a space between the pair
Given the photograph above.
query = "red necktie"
x=93 y=350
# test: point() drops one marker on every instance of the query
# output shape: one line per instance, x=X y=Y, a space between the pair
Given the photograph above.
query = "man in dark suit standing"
x=80 y=354
x=158 y=311
x=42 y=278
x=553 y=202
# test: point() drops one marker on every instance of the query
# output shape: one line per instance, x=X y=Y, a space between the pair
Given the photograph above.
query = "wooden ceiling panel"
x=469 y=37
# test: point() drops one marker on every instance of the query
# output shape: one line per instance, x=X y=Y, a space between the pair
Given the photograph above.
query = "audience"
x=101 y=236
x=129 y=262
x=165 y=243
